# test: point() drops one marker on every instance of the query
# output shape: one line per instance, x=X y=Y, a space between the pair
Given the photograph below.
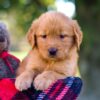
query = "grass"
x=21 y=55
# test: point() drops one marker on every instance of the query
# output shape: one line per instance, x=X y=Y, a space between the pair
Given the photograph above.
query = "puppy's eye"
x=44 y=36
x=62 y=36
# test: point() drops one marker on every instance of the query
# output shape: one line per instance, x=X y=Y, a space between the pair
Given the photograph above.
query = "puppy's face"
x=54 y=36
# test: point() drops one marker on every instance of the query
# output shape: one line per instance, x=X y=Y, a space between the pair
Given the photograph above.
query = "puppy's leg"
x=26 y=73
x=44 y=80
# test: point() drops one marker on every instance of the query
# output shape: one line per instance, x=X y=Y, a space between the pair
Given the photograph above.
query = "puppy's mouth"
x=52 y=57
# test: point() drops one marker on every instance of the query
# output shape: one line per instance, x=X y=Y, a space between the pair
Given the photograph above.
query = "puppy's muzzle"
x=52 y=52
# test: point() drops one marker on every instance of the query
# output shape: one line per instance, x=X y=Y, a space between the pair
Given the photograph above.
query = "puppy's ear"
x=31 y=34
x=78 y=34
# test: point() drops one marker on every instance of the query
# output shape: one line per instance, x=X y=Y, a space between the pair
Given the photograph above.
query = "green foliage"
x=19 y=14
x=24 y=11
x=89 y=18
x=88 y=15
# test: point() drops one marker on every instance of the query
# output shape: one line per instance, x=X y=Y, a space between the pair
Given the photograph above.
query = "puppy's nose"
x=52 y=51
x=2 y=39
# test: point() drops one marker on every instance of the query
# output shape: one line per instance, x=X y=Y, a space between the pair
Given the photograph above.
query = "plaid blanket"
x=8 y=65
x=63 y=89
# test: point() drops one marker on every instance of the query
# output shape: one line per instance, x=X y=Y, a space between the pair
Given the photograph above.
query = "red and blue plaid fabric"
x=64 y=89
x=8 y=65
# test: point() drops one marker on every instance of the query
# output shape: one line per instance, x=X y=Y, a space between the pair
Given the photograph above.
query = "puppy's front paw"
x=42 y=82
x=23 y=82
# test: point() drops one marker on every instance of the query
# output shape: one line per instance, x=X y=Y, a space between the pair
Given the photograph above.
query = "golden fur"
x=51 y=29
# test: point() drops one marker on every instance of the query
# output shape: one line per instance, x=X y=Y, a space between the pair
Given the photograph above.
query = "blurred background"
x=19 y=14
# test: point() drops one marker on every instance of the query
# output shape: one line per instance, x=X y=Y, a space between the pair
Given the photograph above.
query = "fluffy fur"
x=50 y=30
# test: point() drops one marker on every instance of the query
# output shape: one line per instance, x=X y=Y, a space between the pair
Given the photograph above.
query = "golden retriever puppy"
x=55 y=40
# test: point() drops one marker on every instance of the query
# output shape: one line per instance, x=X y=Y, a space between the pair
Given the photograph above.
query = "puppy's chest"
x=57 y=67
x=61 y=68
